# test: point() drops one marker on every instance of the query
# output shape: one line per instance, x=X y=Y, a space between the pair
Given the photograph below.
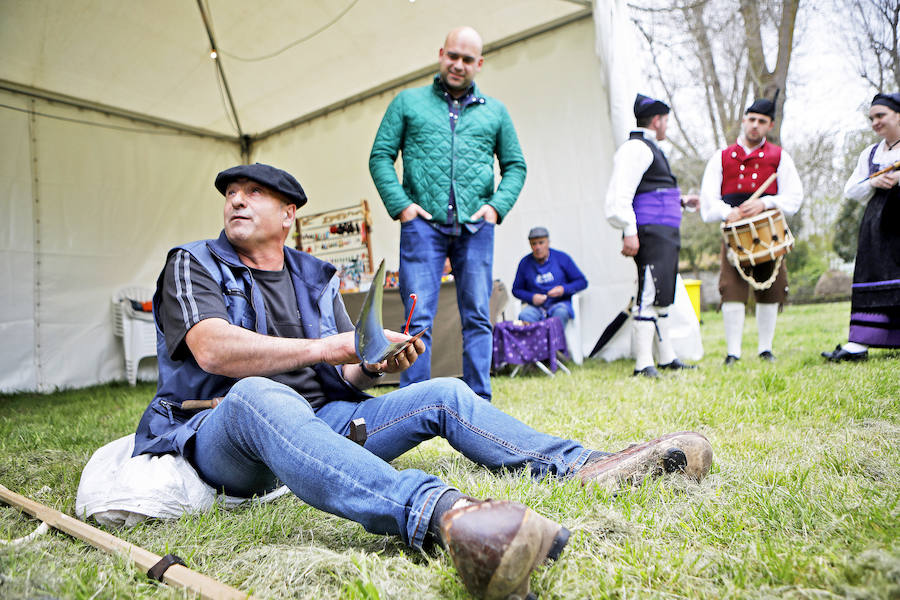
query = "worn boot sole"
x=683 y=452
x=496 y=544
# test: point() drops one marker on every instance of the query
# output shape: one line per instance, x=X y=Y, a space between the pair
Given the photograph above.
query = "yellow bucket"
x=693 y=289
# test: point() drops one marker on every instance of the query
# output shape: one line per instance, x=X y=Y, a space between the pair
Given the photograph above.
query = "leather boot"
x=683 y=452
x=496 y=544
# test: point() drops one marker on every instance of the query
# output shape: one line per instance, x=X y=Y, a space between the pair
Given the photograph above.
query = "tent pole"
x=218 y=60
x=112 y=111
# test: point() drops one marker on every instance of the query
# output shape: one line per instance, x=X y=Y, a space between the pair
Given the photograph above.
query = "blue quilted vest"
x=164 y=426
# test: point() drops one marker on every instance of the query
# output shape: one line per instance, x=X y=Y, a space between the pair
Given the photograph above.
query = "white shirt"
x=630 y=162
x=862 y=191
x=788 y=199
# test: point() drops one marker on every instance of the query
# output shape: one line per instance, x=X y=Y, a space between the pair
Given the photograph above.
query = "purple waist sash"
x=659 y=207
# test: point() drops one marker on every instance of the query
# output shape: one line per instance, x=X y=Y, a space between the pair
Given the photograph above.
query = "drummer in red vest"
x=732 y=175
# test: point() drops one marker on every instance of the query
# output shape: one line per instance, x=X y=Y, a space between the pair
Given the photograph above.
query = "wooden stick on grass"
x=176 y=575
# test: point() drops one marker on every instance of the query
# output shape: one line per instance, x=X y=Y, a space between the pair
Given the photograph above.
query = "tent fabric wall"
x=17 y=341
x=105 y=205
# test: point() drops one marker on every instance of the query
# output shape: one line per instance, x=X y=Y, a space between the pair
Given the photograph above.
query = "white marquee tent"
x=115 y=119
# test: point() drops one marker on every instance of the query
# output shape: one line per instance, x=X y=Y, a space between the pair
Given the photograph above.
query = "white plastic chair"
x=136 y=328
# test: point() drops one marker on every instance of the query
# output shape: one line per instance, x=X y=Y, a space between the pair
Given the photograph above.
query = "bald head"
x=466 y=35
x=460 y=60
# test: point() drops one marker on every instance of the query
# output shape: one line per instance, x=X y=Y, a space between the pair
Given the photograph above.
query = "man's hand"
x=733 y=215
x=691 y=201
x=538 y=299
x=751 y=208
x=556 y=292
x=885 y=181
x=403 y=359
x=630 y=245
x=487 y=212
x=340 y=349
x=412 y=211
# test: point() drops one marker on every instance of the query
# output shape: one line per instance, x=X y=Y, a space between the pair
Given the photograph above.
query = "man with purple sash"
x=644 y=201
x=875 y=299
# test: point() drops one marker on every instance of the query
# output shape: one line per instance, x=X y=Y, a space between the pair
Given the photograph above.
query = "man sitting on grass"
x=258 y=333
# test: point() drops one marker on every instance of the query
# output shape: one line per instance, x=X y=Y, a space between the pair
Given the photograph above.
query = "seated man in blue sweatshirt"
x=546 y=280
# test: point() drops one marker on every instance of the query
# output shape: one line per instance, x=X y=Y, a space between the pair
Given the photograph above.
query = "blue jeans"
x=423 y=250
x=533 y=314
x=264 y=432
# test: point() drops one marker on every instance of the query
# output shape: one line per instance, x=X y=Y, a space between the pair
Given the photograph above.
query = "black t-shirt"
x=190 y=295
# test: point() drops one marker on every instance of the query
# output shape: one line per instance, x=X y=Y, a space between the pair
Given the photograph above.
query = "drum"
x=756 y=240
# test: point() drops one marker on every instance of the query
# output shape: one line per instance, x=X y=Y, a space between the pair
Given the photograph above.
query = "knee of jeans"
x=249 y=386
x=262 y=392
x=455 y=393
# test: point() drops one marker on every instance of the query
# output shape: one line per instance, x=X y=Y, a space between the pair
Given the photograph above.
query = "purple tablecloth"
x=527 y=343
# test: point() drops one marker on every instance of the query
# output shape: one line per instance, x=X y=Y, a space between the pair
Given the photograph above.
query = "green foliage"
x=700 y=243
x=801 y=502
x=846 y=229
x=806 y=263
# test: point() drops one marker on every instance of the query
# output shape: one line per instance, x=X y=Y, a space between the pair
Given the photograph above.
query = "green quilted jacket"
x=417 y=124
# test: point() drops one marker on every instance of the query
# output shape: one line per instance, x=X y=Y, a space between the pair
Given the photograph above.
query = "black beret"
x=276 y=179
x=762 y=106
x=892 y=101
x=645 y=106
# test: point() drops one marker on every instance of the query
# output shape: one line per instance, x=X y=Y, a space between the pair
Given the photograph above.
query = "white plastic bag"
x=120 y=490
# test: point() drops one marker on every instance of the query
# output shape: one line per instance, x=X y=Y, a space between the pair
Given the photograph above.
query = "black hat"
x=762 y=106
x=892 y=101
x=276 y=179
x=645 y=106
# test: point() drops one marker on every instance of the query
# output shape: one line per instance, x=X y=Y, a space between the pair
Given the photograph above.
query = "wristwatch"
x=370 y=374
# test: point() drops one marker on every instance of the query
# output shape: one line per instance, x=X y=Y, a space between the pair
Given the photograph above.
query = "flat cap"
x=892 y=101
x=271 y=177
x=538 y=232
x=645 y=106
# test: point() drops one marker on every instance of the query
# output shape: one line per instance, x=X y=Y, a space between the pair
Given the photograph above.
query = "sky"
x=826 y=93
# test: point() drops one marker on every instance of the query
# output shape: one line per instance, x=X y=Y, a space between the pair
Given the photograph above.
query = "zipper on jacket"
x=168 y=406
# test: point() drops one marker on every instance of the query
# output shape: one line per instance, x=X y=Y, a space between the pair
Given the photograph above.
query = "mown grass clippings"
x=803 y=499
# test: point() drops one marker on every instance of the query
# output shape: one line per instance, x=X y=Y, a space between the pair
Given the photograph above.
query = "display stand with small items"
x=341 y=236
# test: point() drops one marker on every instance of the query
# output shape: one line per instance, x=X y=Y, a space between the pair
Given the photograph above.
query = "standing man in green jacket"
x=447 y=204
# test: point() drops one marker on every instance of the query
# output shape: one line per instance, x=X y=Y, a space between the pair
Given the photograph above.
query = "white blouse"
x=862 y=191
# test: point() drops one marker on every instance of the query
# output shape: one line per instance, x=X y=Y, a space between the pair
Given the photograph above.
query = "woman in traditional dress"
x=875 y=300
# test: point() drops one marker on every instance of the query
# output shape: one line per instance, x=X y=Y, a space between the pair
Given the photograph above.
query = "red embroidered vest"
x=743 y=173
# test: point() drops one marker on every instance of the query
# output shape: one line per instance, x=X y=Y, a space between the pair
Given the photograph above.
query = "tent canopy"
x=282 y=61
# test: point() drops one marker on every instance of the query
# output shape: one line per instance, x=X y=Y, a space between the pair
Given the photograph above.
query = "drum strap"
x=736 y=263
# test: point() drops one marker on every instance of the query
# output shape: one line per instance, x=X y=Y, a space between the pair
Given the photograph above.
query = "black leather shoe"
x=677 y=365
x=840 y=354
x=731 y=359
x=767 y=356
x=650 y=372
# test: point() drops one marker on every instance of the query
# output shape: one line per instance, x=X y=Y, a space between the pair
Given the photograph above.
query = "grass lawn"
x=803 y=500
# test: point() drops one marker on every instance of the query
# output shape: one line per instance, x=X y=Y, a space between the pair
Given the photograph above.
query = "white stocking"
x=766 y=316
x=642 y=342
x=664 y=341
x=733 y=318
